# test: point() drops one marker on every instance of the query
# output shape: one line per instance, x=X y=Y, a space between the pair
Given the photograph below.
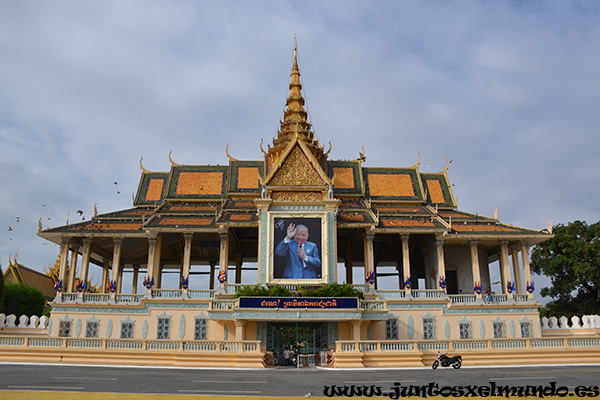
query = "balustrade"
x=166 y=293
x=391 y=294
x=463 y=298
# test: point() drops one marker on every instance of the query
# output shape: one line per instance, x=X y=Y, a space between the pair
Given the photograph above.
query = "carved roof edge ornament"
x=144 y=170
x=328 y=151
x=416 y=166
x=228 y=156
x=361 y=156
x=264 y=153
x=445 y=170
x=173 y=163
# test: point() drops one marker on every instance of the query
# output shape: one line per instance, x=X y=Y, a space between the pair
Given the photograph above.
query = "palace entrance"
x=302 y=337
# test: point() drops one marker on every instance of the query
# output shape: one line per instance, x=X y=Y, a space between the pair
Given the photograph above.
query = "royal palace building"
x=206 y=224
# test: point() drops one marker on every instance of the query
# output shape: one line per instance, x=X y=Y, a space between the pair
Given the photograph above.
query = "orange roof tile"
x=392 y=185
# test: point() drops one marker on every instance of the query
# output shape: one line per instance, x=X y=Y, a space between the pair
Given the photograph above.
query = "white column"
x=369 y=260
x=135 y=279
x=441 y=272
x=475 y=265
x=64 y=257
x=72 y=268
x=526 y=268
x=85 y=260
x=223 y=259
x=157 y=265
x=105 y=263
x=116 y=261
x=406 y=262
x=516 y=269
x=504 y=266
x=187 y=256
x=151 y=258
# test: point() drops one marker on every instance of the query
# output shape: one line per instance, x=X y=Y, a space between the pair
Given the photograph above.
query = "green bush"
x=329 y=290
x=334 y=290
x=23 y=300
x=262 y=291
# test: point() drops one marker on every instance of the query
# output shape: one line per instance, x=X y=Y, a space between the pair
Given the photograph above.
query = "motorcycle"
x=446 y=361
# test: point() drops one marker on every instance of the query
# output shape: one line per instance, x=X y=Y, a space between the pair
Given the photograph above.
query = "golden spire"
x=295 y=118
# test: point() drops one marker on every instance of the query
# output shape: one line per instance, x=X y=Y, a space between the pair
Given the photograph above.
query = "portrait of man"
x=296 y=257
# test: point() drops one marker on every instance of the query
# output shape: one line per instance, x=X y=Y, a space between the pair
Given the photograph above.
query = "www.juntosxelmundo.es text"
x=433 y=389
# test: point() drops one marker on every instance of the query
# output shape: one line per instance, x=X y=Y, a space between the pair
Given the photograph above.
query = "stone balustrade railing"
x=575 y=324
x=379 y=346
x=24 y=322
x=246 y=346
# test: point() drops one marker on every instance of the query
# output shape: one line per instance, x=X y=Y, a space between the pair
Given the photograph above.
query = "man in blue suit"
x=302 y=257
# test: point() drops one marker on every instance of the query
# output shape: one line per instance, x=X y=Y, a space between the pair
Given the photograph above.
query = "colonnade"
x=505 y=272
x=114 y=269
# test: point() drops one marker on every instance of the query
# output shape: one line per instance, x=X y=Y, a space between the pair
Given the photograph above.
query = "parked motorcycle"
x=446 y=361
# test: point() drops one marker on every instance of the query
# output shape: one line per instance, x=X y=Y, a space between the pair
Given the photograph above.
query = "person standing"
x=302 y=257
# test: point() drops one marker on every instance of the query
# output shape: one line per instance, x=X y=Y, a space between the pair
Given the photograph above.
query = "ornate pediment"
x=297 y=170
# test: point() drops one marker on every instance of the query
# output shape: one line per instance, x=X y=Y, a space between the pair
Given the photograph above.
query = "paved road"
x=274 y=382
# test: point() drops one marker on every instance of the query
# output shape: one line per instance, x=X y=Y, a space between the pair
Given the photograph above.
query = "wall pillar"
x=356 y=329
x=475 y=266
x=406 y=264
x=239 y=329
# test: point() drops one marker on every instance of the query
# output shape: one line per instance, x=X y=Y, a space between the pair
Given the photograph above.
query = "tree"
x=1 y=290
x=571 y=260
x=21 y=299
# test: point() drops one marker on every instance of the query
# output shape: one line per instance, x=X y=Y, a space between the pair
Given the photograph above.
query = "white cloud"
x=509 y=91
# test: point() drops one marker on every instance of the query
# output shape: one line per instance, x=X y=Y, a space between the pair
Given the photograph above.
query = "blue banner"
x=299 y=302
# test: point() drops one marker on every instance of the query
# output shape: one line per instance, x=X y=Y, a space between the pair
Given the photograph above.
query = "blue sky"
x=508 y=91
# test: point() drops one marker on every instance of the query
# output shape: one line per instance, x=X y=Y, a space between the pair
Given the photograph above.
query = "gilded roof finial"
x=261 y=148
x=419 y=162
x=173 y=164
x=328 y=151
x=144 y=170
x=40 y=225
x=361 y=155
x=550 y=227
x=95 y=210
x=227 y=153
x=447 y=165
x=496 y=213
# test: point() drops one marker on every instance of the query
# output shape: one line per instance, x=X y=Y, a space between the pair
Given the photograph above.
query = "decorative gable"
x=297 y=170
